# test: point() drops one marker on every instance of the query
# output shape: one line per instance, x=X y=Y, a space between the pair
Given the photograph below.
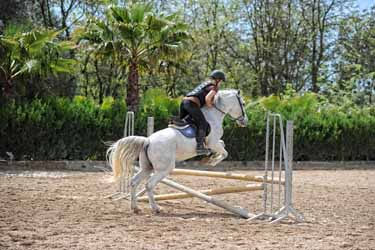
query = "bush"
x=55 y=129
x=60 y=128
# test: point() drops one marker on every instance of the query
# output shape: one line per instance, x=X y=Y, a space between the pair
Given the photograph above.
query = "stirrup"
x=203 y=151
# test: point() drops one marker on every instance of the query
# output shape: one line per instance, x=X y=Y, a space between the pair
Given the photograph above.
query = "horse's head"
x=230 y=102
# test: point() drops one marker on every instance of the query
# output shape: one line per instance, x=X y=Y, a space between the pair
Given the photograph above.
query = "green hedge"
x=60 y=128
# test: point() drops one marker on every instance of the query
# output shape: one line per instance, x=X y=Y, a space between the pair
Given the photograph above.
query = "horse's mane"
x=226 y=91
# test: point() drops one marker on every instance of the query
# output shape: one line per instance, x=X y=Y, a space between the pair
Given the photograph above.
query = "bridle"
x=241 y=118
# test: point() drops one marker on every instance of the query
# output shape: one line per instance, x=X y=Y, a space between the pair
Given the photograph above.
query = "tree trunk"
x=100 y=81
x=314 y=66
x=314 y=69
x=132 y=93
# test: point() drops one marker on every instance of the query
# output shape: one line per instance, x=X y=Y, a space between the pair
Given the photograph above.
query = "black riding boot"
x=201 y=150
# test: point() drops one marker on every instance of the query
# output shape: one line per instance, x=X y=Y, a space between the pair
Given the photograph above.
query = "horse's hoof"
x=205 y=161
x=156 y=210
x=212 y=164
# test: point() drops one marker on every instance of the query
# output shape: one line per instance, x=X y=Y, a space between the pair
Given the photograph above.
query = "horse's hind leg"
x=144 y=172
x=136 y=180
x=151 y=184
x=163 y=158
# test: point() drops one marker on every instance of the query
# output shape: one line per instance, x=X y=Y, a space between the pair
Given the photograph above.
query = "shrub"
x=60 y=128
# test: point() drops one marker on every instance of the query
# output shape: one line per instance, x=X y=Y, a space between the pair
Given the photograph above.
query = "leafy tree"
x=320 y=18
x=355 y=64
x=269 y=39
x=317 y=45
x=13 y=11
x=138 y=39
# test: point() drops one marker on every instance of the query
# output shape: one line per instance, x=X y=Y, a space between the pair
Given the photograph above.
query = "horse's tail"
x=122 y=154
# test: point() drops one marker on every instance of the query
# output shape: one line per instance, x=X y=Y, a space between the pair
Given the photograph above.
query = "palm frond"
x=119 y=14
x=30 y=66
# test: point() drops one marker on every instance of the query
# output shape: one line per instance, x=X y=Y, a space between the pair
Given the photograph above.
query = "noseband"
x=241 y=118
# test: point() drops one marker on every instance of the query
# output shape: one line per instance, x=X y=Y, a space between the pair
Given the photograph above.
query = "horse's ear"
x=239 y=92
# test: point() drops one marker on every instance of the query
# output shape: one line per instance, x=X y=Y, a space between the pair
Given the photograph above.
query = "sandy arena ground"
x=67 y=210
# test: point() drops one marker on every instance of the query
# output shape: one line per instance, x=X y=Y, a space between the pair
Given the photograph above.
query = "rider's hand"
x=216 y=87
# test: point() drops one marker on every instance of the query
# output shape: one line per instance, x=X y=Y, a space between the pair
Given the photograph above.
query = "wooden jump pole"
x=219 y=203
x=223 y=190
x=224 y=175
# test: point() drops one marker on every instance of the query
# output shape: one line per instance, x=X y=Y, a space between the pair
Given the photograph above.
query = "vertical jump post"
x=286 y=159
x=128 y=131
x=150 y=125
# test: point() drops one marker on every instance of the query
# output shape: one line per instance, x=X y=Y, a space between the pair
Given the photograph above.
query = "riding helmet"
x=218 y=75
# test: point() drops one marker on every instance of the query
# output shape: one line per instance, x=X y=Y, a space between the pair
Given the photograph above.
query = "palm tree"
x=36 y=54
x=137 y=38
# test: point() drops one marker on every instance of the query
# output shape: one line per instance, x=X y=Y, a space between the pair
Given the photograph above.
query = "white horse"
x=159 y=152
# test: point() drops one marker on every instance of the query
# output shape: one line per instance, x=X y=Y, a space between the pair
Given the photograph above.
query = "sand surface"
x=67 y=210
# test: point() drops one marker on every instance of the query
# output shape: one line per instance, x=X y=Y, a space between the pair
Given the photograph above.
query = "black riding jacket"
x=200 y=92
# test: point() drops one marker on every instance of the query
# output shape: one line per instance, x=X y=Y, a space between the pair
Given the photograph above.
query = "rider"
x=191 y=105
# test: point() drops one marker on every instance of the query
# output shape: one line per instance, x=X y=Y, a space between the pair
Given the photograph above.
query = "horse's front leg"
x=219 y=153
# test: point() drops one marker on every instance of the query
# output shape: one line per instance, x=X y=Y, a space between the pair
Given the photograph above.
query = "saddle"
x=185 y=126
